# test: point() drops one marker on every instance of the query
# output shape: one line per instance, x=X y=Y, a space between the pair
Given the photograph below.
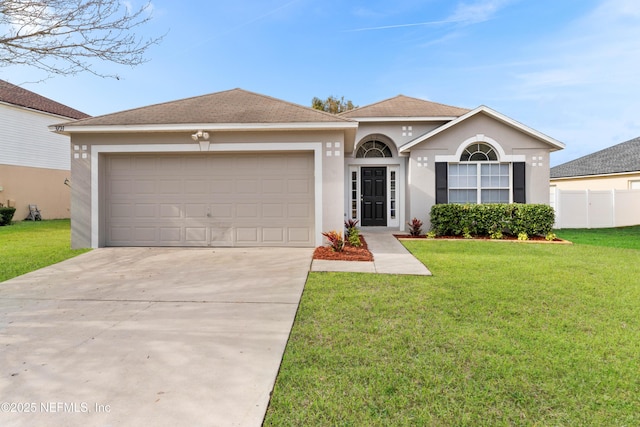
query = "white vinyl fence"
x=595 y=209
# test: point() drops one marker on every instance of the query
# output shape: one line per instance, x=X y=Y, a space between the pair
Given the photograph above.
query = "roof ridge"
x=191 y=98
x=294 y=104
x=405 y=97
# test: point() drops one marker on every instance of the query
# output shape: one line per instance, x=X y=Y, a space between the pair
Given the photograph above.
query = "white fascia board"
x=405 y=119
x=189 y=127
x=494 y=114
x=601 y=175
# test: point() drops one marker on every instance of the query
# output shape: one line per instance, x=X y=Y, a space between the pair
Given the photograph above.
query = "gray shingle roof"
x=623 y=157
x=232 y=106
x=404 y=106
x=15 y=95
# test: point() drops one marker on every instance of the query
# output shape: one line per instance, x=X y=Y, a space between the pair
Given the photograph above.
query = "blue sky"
x=567 y=68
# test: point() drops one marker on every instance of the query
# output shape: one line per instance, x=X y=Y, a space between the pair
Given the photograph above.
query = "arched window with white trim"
x=479 y=177
x=372 y=149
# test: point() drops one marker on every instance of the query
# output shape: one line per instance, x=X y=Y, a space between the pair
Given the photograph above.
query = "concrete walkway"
x=148 y=336
x=389 y=257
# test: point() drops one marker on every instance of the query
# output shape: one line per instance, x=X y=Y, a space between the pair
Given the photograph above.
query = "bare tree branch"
x=64 y=36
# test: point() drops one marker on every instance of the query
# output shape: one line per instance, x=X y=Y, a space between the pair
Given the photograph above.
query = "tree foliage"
x=66 y=36
x=332 y=104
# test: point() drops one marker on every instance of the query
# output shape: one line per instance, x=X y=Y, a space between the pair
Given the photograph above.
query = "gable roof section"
x=620 y=158
x=231 y=109
x=556 y=145
x=404 y=107
x=15 y=95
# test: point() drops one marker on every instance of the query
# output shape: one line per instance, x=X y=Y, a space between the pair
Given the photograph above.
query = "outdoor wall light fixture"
x=200 y=134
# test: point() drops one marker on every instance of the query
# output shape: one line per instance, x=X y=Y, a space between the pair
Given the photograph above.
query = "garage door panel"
x=144 y=187
x=170 y=211
x=221 y=235
x=146 y=211
x=222 y=186
x=273 y=234
x=145 y=234
x=170 y=235
x=273 y=210
x=196 y=235
x=120 y=187
x=170 y=186
x=300 y=234
x=298 y=186
x=209 y=200
x=247 y=235
x=247 y=210
x=299 y=210
x=195 y=211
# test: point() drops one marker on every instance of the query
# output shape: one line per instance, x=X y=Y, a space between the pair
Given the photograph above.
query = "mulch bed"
x=349 y=253
x=537 y=239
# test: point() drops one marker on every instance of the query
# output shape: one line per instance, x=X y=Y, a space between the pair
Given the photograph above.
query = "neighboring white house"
x=236 y=168
x=34 y=163
x=599 y=190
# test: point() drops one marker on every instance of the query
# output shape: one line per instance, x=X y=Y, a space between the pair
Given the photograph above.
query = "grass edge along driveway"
x=29 y=245
x=502 y=334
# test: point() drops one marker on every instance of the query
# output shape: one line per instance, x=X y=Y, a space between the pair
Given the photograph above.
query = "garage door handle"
x=208 y=215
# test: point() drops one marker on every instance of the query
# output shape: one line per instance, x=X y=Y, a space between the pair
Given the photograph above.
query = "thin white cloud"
x=465 y=13
x=481 y=11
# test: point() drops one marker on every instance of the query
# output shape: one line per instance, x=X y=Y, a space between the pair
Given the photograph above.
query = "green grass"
x=503 y=334
x=623 y=237
x=29 y=245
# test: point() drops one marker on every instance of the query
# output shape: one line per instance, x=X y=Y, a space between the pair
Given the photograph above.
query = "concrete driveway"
x=140 y=336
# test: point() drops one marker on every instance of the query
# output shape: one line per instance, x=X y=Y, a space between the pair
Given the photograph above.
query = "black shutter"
x=442 y=190
x=519 y=188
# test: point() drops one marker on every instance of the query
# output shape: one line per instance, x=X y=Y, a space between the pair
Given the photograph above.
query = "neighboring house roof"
x=556 y=145
x=405 y=107
x=231 y=109
x=620 y=158
x=15 y=95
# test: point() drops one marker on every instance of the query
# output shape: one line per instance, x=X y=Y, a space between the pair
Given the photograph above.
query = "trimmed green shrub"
x=494 y=219
x=6 y=215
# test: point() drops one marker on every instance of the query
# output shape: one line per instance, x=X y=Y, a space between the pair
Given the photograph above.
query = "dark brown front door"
x=374 y=196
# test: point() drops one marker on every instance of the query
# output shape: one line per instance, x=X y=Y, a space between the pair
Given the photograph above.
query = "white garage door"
x=209 y=200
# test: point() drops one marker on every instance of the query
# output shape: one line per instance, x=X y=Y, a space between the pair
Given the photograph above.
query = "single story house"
x=34 y=163
x=236 y=168
x=614 y=168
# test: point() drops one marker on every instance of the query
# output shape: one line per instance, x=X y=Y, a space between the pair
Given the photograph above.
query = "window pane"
x=495 y=196
x=463 y=196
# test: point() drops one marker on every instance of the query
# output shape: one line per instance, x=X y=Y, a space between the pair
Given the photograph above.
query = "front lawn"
x=503 y=334
x=29 y=245
x=621 y=237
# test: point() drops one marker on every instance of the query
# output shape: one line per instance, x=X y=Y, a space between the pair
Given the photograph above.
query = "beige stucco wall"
x=38 y=186
x=613 y=182
x=400 y=133
x=332 y=168
x=423 y=158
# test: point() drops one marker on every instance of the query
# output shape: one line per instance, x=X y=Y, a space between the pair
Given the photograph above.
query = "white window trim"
x=96 y=150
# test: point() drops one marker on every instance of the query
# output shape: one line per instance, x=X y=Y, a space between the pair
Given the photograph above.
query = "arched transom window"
x=479 y=153
x=373 y=149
